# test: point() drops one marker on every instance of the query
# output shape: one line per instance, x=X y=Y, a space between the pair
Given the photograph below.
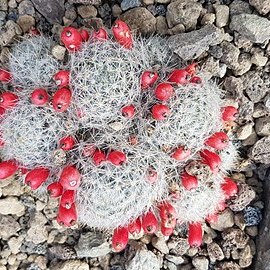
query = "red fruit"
x=67 y=199
x=7 y=169
x=181 y=153
x=128 y=111
x=70 y=178
x=213 y=218
x=39 y=97
x=61 y=78
x=191 y=69
x=117 y=157
x=122 y=34
x=196 y=80
x=99 y=35
x=67 y=143
x=211 y=159
x=84 y=34
x=8 y=100
x=218 y=140
x=67 y=217
x=34 y=32
x=148 y=79
x=72 y=38
x=166 y=231
x=119 y=239
x=98 y=157
x=151 y=175
x=88 y=150
x=61 y=99
x=149 y=223
x=229 y=113
x=189 y=182
x=164 y=91
x=229 y=187
x=5 y=76
x=195 y=234
x=160 y=111
x=179 y=76
x=135 y=227
x=2 y=111
x=36 y=177
x=166 y=211
x=55 y=189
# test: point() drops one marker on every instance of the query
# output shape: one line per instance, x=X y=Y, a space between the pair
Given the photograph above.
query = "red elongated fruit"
x=181 y=153
x=55 y=190
x=8 y=100
x=160 y=111
x=149 y=223
x=135 y=227
x=67 y=198
x=229 y=113
x=67 y=217
x=85 y=35
x=5 y=76
x=218 y=140
x=128 y=111
x=196 y=80
x=122 y=34
x=67 y=143
x=179 y=76
x=36 y=177
x=211 y=159
x=70 y=178
x=119 y=239
x=213 y=218
x=34 y=31
x=98 y=157
x=151 y=175
x=71 y=38
x=7 y=169
x=148 y=79
x=166 y=231
x=117 y=158
x=229 y=187
x=99 y=35
x=164 y=91
x=191 y=69
x=166 y=211
x=189 y=182
x=88 y=150
x=39 y=97
x=61 y=78
x=61 y=99
x=195 y=234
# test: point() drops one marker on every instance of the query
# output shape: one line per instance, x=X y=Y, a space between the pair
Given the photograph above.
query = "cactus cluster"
x=133 y=141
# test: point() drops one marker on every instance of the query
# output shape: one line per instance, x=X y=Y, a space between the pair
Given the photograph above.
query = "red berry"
x=61 y=99
x=61 y=78
x=85 y=35
x=166 y=231
x=70 y=178
x=117 y=157
x=7 y=169
x=67 y=199
x=164 y=91
x=148 y=79
x=99 y=35
x=160 y=111
x=88 y=150
x=39 y=97
x=179 y=76
x=135 y=227
x=218 y=140
x=191 y=69
x=196 y=80
x=67 y=217
x=55 y=190
x=67 y=143
x=189 y=182
x=8 y=100
x=195 y=234
x=34 y=32
x=36 y=177
x=128 y=111
x=229 y=187
x=166 y=211
x=181 y=153
x=119 y=239
x=98 y=157
x=5 y=76
x=211 y=159
x=149 y=223
x=72 y=38
x=151 y=175
x=229 y=113
x=122 y=34
x=213 y=218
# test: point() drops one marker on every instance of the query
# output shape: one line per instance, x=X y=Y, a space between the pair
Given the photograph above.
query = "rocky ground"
x=230 y=40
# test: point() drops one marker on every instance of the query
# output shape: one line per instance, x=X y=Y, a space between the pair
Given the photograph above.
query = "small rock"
x=11 y=206
x=162 y=27
x=71 y=265
x=252 y=231
x=262 y=126
x=185 y=12
x=266 y=102
x=251 y=140
x=230 y=54
x=12 y=30
x=4 y=5
x=8 y=227
x=239 y=7
x=26 y=22
x=215 y=252
x=200 y=263
x=116 y=10
x=104 y=11
x=225 y=220
x=244 y=64
x=259 y=60
x=160 y=244
x=208 y=18
x=244 y=131
x=31 y=248
x=62 y=252
x=177 y=260
x=148 y=2
x=87 y=11
x=178 y=246
x=90 y=2
x=210 y=67
x=59 y=52
x=262 y=6
x=260 y=152
x=234 y=237
x=252 y=215
x=163 y=1
x=216 y=51
x=227 y=266
x=247 y=26
x=234 y=86
x=12 y=3
x=222 y=15
x=128 y=4
x=240 y=221
x=245 y=257
x=179 y=28
x=15 y=243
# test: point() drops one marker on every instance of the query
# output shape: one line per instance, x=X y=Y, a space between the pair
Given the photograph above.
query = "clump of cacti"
x=134 y=142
